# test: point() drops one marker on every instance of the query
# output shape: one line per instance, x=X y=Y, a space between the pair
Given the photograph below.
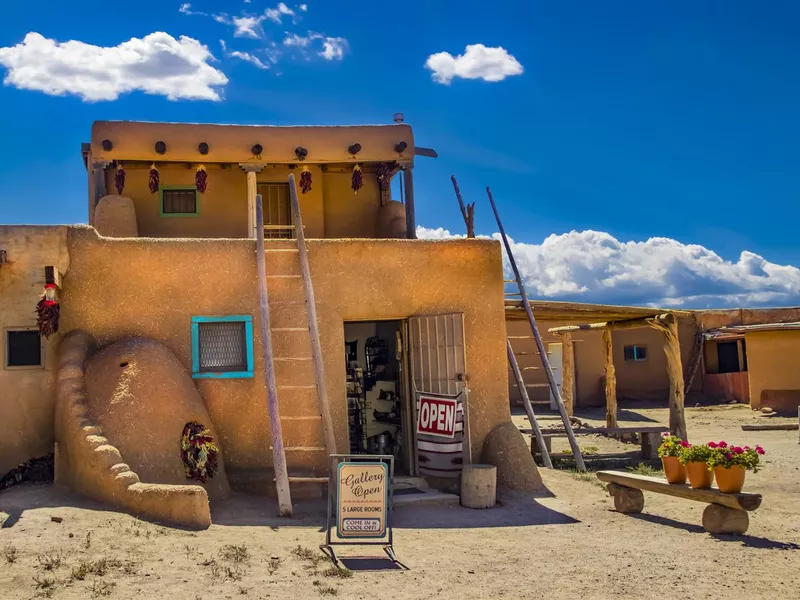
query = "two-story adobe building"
x=169 y=261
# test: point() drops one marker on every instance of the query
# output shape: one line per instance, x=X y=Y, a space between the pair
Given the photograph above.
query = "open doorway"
x=378 y=402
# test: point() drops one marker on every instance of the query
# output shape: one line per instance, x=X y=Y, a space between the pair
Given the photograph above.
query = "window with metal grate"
x=179 y=201
x=222 y=346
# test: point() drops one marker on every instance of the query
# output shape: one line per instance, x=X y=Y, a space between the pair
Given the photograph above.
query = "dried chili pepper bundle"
x=47 y=313
x=357 y=180
x=119 y=178
x=201 y=179
x=154 y=180
x=305 y=180
x=384 y=172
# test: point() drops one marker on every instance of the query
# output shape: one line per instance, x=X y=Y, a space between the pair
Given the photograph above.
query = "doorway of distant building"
x=277 y=210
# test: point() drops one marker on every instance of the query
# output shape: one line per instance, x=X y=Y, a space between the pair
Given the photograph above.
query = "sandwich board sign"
x=360 y=501
x=436 y=415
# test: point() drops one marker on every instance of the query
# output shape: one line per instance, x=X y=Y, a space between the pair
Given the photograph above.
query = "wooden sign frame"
x=386 y=539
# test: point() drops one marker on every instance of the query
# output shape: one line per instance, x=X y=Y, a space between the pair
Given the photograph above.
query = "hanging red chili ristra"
x=201 y=179
x=47 y=314
x=383 y=171
x=154 y=180
x=357 y=181
x=305 y=180
x=119 y=178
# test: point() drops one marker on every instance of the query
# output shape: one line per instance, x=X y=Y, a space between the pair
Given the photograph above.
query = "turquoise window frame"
x=248 y=334
x=185 y=188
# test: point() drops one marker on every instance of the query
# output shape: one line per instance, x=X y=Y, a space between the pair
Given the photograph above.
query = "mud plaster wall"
x=144 y=287
x=27 y=396
x=772 y=365
x=329 y=209
x=645 y=380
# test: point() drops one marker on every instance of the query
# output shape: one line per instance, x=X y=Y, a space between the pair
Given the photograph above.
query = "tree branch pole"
x=467 y=212
x=576 y=451
x=278 y=454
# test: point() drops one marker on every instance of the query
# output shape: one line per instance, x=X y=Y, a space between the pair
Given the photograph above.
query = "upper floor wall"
x=235 y=172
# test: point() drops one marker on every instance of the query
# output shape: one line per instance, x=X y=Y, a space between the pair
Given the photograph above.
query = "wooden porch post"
x=568 y=373
x=252 y=189
x=611 y=380
x=668 y=325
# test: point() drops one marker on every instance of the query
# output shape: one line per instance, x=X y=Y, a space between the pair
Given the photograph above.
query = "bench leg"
x=626 y=500
x=650 y=444
x=721 y=519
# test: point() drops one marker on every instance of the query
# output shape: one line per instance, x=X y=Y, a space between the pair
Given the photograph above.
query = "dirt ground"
x=565 y=544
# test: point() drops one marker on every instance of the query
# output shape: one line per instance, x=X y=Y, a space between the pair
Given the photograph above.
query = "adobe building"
x=160 y=327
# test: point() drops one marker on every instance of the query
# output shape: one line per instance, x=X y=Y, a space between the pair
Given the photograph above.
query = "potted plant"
x=730 y=463
x=669 y=451
x=695 y=458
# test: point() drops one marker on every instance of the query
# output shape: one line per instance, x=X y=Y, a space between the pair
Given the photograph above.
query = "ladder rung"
x=305 y=449
x=281 y=250
x=308 y=479
x=525 y=353
x=284 y=276
x=271 y=302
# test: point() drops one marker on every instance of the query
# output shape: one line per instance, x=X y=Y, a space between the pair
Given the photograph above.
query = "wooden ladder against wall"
x=694 y=362
x=293 y=363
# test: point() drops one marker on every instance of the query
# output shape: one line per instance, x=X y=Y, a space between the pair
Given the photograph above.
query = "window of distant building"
x=635 y=353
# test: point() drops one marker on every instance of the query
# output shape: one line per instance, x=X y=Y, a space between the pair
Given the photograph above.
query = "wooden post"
x=668 y=325
x=568 y=372
x=252 y=190
x=526 y=401
x=313 y=324
x=467 y=212
x=278 y=454
x=479 y=486
x=99 y=180
x=611 y=380
x=411 y=221
x=573 y=442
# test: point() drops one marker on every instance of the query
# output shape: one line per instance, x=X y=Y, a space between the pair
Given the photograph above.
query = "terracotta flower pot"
x=730 y=480
x=673 y=469
x=699 y=475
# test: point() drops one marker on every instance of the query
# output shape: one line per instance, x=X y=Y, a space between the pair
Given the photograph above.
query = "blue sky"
x=618 y=121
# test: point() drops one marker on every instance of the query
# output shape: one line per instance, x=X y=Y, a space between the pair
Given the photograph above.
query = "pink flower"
x=685 y=444
x=722 y=445
x=759 y=449
x=729 y=456
x=738 y=450
x=712 y=445
x=665 y=434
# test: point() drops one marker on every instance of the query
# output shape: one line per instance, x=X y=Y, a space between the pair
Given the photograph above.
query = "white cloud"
x=276 y=14
x=247 y=57
x=477 y=62
x=155 y=64
x=299 y=41
x=248 y=27
x=592 y=266
x=333 y=48
x=303 y=7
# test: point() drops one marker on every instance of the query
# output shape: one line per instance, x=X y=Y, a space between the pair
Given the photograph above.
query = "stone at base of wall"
x=505 y=448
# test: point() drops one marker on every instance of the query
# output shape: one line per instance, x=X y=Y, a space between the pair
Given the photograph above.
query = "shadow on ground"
x=749 y=541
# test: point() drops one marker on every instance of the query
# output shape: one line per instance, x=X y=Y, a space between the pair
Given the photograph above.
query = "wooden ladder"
x=573 y=442
x=327 y=443
x=694 y=362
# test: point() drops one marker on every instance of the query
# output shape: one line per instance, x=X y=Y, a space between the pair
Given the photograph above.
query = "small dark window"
x=179 y=201
x=728 y=357
x=277 y=210
x=635 y=353
x=23 y=349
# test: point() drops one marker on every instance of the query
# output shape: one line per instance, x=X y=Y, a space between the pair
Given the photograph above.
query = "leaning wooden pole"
x=278 y=454
x=526 y=401
x=573 y=442
x=467 y=212
x=313 y=324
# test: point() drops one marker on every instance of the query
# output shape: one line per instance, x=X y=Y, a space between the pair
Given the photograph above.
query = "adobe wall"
x=27 y=396
x=772 y=365
x=144 y=287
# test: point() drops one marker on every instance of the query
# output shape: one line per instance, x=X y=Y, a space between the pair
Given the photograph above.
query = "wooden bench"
x=725 y=513
x=649 y=437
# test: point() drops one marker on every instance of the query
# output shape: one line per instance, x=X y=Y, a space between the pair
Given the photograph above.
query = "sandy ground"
x=566 y=544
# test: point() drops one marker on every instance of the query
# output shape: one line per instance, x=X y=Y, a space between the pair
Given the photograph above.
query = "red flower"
x=712 y=445
x=738 y=450
x=722 y=445
x=729 y=456
x=685 y=444
x=759 y=449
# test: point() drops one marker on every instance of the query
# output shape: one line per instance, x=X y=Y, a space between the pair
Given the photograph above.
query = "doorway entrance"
x=378 y=400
